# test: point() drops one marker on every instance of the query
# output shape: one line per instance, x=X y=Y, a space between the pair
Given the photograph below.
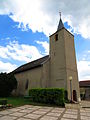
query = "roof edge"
x=61 y=29
x=31 y=65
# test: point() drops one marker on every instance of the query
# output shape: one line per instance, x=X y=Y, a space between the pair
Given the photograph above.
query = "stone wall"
x=71 y=65
x=34 y=78
x=57 y=61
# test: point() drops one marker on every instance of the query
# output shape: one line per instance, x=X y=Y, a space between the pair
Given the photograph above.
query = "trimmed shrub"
x=3 y=101
x=66 y=96
x=48 y=95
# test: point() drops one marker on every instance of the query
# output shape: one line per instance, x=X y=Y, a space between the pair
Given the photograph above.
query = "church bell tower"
x=63 y=67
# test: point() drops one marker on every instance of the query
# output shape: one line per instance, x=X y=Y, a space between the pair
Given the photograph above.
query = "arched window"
x=56 y=37
x=26 y=86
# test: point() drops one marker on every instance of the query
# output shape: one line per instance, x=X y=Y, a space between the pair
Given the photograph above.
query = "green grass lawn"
x=19 y=101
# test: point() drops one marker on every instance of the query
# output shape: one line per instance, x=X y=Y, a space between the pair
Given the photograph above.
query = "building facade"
x=54 y=70
x=85 y=89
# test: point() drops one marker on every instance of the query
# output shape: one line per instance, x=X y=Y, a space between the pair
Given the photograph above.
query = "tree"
x=7 y=84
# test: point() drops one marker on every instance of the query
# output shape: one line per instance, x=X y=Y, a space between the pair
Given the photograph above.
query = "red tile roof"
x=85 y=83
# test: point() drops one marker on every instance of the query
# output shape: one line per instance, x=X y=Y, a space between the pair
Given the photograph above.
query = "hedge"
x=48 y=95
x=3 y=101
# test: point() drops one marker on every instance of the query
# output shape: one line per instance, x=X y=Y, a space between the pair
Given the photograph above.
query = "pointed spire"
x=60 y=14
x=60 y=25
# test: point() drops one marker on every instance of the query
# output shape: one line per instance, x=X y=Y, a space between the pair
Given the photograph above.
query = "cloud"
x=84 y=55
x=45 y=45
x=83 y=65
x=19 y=52
x=84 y=70
x=28 y=13
x=43 y=14
x=7 y=38
x=38 y=14
x=7 y=67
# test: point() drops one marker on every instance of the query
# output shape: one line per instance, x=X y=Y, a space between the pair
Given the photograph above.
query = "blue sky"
x=25 y=30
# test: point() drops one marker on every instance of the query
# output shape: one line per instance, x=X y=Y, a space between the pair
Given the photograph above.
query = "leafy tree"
x=7 y=84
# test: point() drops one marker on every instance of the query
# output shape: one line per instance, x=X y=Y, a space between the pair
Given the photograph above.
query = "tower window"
x=26 y=86
x=56 y=37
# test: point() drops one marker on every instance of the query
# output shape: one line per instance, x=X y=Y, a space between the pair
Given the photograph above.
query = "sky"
x=25 y=27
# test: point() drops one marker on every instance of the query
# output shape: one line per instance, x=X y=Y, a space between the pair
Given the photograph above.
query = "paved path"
x=30 y=112
x=85 y=104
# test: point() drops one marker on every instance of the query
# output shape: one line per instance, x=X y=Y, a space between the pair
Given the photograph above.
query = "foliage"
x=15 y=101
x=3 y=101
x=48 y=95
x=7 y=84
x=66 y=96
x=19 y=101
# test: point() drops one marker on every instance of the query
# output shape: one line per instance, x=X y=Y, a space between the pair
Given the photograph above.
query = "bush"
x=3 y=101
x=48 y=95
x=66 y=96
x=7 y=84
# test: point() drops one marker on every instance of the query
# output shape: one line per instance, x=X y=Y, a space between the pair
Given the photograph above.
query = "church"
x=56 y=70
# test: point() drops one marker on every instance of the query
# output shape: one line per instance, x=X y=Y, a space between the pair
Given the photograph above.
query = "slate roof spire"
x=60 y=25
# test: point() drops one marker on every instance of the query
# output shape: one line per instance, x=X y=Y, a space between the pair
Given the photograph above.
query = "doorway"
x=74 y=95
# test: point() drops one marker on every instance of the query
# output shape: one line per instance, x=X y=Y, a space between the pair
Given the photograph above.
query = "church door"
x=74 y=95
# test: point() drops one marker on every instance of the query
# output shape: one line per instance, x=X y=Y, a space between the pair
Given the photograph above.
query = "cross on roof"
x=60 y=14
x=60 y=25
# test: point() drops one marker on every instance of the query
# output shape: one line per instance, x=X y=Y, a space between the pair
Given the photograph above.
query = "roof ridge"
x=35 y=60
x=31 y=65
